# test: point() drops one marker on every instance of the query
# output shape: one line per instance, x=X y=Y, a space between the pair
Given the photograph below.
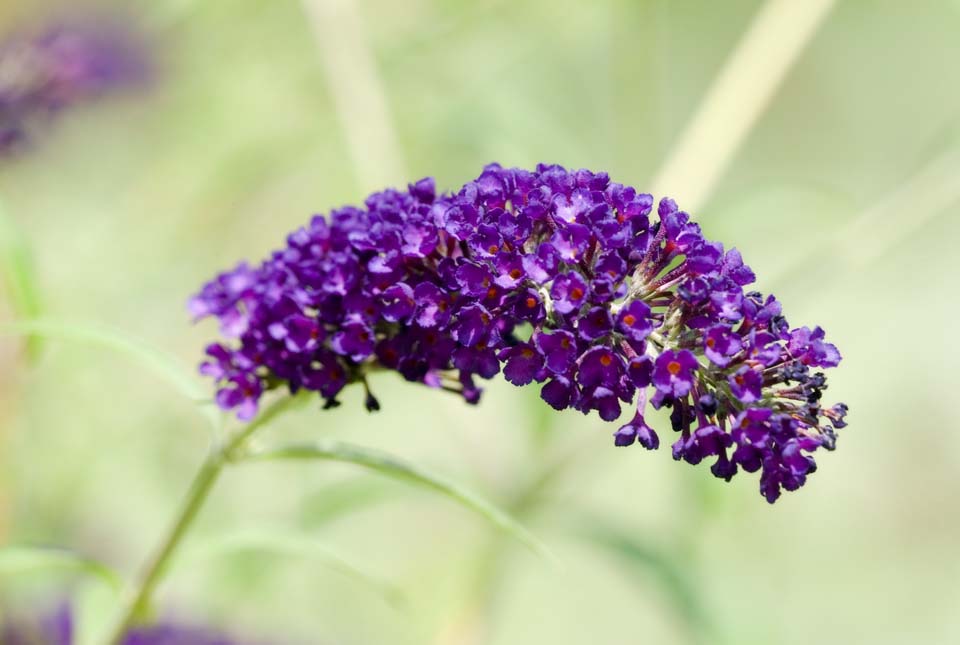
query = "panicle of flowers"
x=558 y=277
x=45 y=72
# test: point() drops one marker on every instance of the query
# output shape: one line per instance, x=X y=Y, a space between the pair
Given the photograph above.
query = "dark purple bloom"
x=559 y=349
x=523 y=364
x=433 y=305
x=298 y=332
x=472 y=326
x=633 y=321
x=559 y=392
x=509 y=270
x=720 y=345
x=398 y=302
x=673 y=372
x=746 y=384
x=569 y=292
x=637 y=430
x=355 y=340
x=600 y=366
x=556 y=277
x=602 y=399
x=241 y=392
x=595 y=324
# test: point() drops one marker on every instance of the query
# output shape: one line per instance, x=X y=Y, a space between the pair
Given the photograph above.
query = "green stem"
x=141 y=593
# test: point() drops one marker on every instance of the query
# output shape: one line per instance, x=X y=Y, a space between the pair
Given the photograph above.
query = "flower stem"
x=220 y=454
x=139 y=599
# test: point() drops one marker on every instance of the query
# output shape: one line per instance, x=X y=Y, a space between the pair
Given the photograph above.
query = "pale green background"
x=129 y=205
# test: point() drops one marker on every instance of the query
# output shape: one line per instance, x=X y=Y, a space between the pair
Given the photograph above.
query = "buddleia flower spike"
x=563 y=278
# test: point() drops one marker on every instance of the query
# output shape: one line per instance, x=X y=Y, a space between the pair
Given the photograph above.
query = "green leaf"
x=164 y=365
x=395 y=468
x=651 y=564
x=280 y=543
x=334 y=501
x=25 y=559
x=16 y=271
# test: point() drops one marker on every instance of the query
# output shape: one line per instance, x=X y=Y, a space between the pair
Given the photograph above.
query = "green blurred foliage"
x=127 y=206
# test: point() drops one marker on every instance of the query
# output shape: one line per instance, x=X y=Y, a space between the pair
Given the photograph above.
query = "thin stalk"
x=139 y=598
x=359 y=94
x=140 y=595
x=738 y=97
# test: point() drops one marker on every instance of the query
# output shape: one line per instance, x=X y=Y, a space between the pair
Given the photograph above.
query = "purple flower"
x=57 y=628
x=472 y=326
x=355 y=340
x=569 y=292
x=637 y=430
x=559 y=392
x=673 y=372
x=559 y=349
x=746 y=384
x=523 y=364
x=595 y=324
x=241 y=392
x=720 y=344
x=43 y=74
x=433 y=305
x=558 y=277
x=633 y=321
x=600 y=366
x=398 y=302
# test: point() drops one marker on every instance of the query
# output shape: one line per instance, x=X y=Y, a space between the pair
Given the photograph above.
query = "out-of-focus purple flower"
x=561 y=278
x=57 y=628
x=45 y=72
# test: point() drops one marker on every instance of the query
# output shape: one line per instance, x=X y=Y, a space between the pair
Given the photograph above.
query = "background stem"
x=221 y=453
x=141 y=594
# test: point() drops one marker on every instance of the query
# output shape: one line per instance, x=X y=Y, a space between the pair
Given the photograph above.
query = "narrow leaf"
x=335 y=501
x=395 y=468
x=155 y=360
x=16 y=271
x=25 y=559
x=281 y=543
x=652 y=565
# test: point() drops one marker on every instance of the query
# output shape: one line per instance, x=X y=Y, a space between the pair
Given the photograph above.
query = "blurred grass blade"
x=285 y=543
x=652 y=566
x=738 y=97
x=16 y=271
x=390 y=466
x=359 y=94
x=24 y=559
x=334 y=501
x=156 y=360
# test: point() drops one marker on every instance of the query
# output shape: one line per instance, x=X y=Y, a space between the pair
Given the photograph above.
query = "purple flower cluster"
x=57 y=628
x=44 y=73
x=557 y=277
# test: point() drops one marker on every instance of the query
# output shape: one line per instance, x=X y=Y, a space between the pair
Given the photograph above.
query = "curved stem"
x=141 y=593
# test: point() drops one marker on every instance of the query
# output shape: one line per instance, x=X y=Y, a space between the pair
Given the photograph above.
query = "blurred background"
x=820 y=138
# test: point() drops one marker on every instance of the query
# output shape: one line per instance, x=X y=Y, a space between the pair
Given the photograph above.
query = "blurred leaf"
x=285 y=543
x=155 y=360
x=16 y=269
x=24 y=559
x=334 y=501
x=650 y=562
x=390 y=466
x=93 y=609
